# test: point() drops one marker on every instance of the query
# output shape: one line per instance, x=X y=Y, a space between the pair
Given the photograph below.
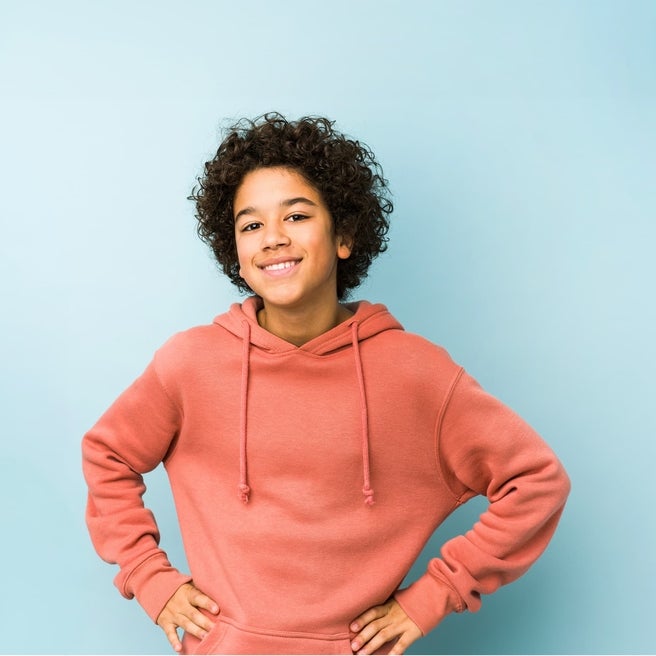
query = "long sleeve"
x=130 y=439
x=485 y=449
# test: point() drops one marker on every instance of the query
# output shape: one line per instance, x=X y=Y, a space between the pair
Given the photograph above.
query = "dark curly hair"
x=344 y=171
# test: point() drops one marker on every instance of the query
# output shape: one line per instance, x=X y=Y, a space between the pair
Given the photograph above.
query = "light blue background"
x=519 y=139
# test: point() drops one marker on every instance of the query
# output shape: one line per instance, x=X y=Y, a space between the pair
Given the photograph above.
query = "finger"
x=188 y=625
x=200 y=620
x=367 y=617
x=406 y=639
x=201 y=600
x=367 y=634
x=400 y=645
x=172 y=636
x=382 y=637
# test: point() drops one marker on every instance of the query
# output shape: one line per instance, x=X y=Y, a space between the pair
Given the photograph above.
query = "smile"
x=280 y=266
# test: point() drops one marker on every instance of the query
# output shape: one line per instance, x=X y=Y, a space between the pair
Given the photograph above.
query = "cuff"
x=153 y=583
x=428 y=601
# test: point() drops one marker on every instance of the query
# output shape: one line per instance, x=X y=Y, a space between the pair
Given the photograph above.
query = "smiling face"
x=286 y=242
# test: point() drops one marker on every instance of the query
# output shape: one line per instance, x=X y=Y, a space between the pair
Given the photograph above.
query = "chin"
x=279 y=300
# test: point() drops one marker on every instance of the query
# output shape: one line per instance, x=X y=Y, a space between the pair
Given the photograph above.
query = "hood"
x=368 y=319
x=371 y=319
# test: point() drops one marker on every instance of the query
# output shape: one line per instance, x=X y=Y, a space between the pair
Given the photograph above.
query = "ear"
x=344 y=247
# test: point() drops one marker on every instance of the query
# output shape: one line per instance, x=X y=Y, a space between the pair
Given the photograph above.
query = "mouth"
x=280 y=267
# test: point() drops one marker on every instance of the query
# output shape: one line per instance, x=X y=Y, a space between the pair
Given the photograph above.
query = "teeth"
x=280 y=265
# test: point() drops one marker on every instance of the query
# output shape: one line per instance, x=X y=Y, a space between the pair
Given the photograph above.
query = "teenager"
x=312 y=445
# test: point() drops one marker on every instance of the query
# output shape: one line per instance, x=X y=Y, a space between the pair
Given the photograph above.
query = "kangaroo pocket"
x=230 y=637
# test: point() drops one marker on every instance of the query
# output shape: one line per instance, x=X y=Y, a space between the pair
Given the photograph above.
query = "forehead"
x=271 y=185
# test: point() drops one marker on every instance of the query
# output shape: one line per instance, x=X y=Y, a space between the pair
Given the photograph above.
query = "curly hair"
x=344 y=171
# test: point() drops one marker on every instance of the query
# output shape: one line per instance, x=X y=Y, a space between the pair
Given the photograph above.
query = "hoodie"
x=308 y=479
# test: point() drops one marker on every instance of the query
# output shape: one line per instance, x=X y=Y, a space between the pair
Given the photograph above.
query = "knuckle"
x=166 y=623
x=368 y=617
x=386 y=634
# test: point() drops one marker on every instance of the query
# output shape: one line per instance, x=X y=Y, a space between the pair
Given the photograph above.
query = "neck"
x=300 y=326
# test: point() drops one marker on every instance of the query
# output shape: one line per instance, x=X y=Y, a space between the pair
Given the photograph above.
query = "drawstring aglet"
x=368 y=496
x=244 y=493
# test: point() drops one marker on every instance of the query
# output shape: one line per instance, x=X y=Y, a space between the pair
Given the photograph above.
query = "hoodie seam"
x=458 y=497
x=340 y=352
x=125 y=589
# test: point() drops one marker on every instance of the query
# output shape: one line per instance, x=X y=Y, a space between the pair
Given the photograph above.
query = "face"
x=286 y=242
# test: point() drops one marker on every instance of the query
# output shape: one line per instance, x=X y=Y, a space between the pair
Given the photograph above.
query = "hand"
x=181 y=611
x=381 y=624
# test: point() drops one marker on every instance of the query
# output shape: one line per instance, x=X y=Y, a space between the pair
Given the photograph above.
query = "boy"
x=312 y=445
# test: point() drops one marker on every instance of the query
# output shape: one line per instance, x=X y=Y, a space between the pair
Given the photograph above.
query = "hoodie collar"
x=372 y=318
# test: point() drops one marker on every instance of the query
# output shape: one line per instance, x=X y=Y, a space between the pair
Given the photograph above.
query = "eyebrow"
x=288 y=202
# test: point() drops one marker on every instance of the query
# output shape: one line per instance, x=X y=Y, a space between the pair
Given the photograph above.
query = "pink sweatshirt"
x=308 y=479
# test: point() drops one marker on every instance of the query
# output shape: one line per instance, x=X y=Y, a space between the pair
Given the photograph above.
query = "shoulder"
x=407 y=345
x=380 y=328
x=186 y=340
x=188 y=348
x=413 y=362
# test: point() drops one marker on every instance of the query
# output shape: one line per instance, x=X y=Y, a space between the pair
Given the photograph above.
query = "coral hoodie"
x=308 y=479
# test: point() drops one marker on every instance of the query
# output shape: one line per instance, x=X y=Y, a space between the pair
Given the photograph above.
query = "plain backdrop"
x=520 y=144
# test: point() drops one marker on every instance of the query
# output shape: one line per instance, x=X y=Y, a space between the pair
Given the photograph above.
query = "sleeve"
x=130 y=439
x=485 y=448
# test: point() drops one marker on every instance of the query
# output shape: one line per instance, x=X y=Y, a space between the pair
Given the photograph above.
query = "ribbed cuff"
x=428 y=601
x=154 y=582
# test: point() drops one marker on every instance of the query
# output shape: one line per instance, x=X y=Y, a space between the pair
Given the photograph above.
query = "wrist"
x=428 y=601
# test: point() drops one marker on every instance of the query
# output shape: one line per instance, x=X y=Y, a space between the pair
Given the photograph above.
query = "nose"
x=274 y=236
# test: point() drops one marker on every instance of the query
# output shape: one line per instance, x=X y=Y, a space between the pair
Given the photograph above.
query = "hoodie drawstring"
x=244 y=489
x=367 y=489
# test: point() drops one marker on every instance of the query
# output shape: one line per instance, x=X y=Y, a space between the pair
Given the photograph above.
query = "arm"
x=485 y=448
x=130 y=439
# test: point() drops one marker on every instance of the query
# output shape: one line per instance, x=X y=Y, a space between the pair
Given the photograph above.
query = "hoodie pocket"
x=230 y=637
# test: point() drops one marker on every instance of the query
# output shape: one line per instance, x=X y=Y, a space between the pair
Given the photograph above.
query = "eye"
x=249 y=227
x=297 y=217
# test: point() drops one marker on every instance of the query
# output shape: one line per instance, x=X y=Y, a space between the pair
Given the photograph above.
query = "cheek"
x=324 y=243
x=242 y=255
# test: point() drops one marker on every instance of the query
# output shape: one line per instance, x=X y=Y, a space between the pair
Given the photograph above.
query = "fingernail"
x=354 y=627
x=354 y=646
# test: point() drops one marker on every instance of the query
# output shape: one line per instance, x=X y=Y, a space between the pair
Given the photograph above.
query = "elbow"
x=565 y=483
x=561 y=485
